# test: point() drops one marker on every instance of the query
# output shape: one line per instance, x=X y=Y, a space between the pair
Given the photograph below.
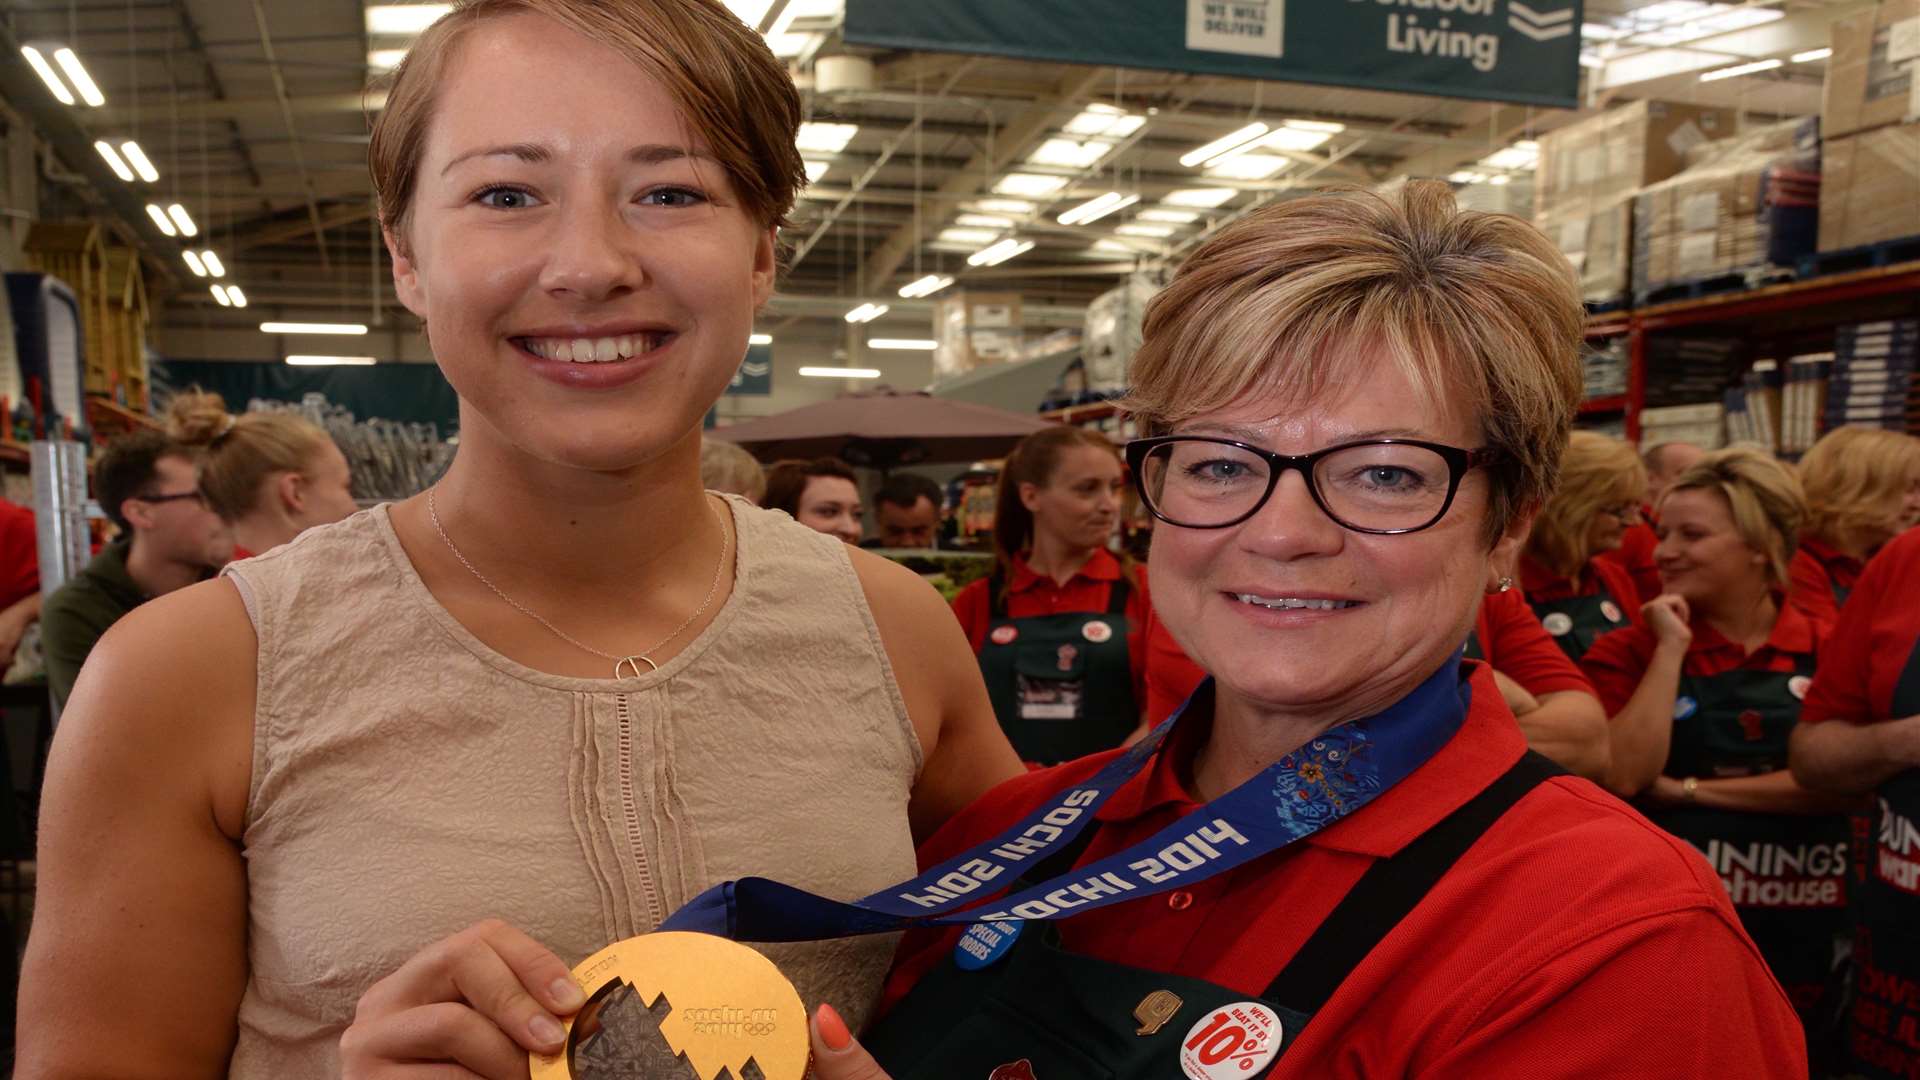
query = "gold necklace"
x=623 y=666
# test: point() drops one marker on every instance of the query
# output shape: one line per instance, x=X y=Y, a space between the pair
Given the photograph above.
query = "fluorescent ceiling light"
x=866 y=313
x=220 y=294
x=76 y=74
x=137 y=158
x=749 y=11
x=180 y=218
x=1601 y=32
x=1811 y=55
x=1112 y=247
x=967 y=237
x=160 y=221
x=902 y=344
x=1250 y=167
x=47 y=74
x=759 y=339
x=1177 y=217
x=385 y=59
x=925 y=286
x=1741 y=69
x=403 y=20
x=118 y=166
x=1031 y=185
x=1104 y=120
x=791 y=46
x=331 y=361
x=1068 y=154
x=816 y=170
x=840 y=372
x=311 y=328
x=983 y=221
x=1096 y=208
x=1017 y=207
x=1513 y=157
x=1206 y=198
x=1500 y=181
x=234 y=294
x=212 y=262
x=1158 y=232
x=194 y=264
x=821 y=138
x=1000 y=252
x=1467 y=176
x=1223 y=144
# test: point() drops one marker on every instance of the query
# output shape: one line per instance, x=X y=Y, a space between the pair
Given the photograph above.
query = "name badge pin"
x=986 y=943
x=1155 y=1010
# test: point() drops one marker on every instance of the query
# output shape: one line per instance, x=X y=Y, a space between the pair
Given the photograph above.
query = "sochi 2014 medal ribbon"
x=665 y=1003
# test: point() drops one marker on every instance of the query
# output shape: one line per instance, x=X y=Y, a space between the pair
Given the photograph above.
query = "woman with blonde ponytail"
x=270 y=476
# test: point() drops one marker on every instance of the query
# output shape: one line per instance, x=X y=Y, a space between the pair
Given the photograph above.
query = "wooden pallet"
x=1867 y=257
x=1731 y=281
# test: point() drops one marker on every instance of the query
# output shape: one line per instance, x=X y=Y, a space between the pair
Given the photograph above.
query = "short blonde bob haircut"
x=237 y=455
x=727 y=467
x=727 y=83
x=1768 y=504
x=1856 y=479
x=1298 y=298
x=1597 y=472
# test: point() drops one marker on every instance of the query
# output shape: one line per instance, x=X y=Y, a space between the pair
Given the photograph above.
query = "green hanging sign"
x=1493 y=50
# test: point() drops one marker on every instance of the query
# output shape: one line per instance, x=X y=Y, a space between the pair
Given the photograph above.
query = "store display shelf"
x=1774 y=299
x=1611 y=324
x=1610 y=403
x=108 y=418
x=13 y=453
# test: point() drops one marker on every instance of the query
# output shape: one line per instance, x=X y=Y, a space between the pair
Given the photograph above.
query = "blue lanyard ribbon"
x=1306 y=791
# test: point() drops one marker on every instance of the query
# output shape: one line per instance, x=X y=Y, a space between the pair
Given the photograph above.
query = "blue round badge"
x=985 y=943
x=1684 y=707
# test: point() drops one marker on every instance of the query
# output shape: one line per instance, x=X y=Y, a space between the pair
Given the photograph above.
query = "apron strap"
x=1117 y=594
x=1393 y=887
x=996 y=595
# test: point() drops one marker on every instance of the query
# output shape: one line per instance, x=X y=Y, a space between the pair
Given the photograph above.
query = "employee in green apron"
x=1338 y=860
x=1061 y=625
x=1577 y=595
x=1863 y=488
x=1704 y=695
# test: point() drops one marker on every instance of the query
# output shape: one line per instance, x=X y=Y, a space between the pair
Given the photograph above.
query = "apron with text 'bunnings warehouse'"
x=1786 y=873
x=1884 y=1030
x=1061 y=685
x=1576 y=622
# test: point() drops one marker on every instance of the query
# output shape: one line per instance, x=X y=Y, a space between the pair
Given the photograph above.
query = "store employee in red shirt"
x=1704 y=694
x=1062 y=625
x=1863 y=488
x=1860 y=732
x=1558 y=711
x=1339 y=861
x=1577 y=595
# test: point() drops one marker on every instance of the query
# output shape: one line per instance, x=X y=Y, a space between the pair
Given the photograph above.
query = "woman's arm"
x=1768 y=793
x=1641 y=733
x=1569 y=727
x=138 y=954
x=966 y=752
x=1851 y=759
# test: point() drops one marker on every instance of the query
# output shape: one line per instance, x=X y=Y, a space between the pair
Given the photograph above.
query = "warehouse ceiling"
x=252 y=113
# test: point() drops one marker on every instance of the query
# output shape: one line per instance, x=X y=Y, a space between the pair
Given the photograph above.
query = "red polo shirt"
x=1871 y=642
x=1597 y=579
x=1573 y=940
x=19 y=554
x=1516 y=645
x=1818 y=569
x=1635 y=555
x=1618 y=661
x=1154 y=658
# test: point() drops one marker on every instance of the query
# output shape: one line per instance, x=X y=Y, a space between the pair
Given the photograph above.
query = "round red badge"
x=1097 y=632
x=1233 y=1041
x=1610 y=610
x=1003 y=635
x=1797 y=686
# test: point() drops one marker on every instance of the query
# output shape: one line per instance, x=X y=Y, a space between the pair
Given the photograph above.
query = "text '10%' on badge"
x=681 y=1006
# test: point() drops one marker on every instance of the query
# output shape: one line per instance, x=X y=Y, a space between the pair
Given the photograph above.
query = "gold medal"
x=661 y=998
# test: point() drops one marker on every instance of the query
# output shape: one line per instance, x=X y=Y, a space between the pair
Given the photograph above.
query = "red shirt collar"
x=1792 y=635
x=1829 y=556
x=1540 y=583
x=1484 y=748
x=1101 y=567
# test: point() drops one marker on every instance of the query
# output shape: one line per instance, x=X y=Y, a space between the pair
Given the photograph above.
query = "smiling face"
x=1609 y=526
x=586 y=272
x=1389 y=609
x=831 y=504
x=1079 y=504
x=1702 y=556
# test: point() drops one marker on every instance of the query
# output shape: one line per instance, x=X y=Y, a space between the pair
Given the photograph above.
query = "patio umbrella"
x=884 y=429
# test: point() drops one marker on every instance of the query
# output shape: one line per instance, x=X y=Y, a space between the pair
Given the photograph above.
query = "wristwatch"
x=1690 y=787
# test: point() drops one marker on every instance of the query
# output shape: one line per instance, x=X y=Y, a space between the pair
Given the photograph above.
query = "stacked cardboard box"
x=1590 y=171
x=971 y=330
x=1743 y=202
x=1871 y=116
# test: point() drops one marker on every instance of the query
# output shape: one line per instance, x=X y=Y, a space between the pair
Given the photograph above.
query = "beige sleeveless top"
x=408 y=781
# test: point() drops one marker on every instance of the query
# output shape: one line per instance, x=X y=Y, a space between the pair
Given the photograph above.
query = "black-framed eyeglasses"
x=1383 y=486
x=175 y=497
x=1627 y=512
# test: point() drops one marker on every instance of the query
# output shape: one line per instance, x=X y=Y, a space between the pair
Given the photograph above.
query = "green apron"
x=1884 y=1027
x=1786 y=873
x=1044 y=1013
x=1576 y=622
x=1061 y=685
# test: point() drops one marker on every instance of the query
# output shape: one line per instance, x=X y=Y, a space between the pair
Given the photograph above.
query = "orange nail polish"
x=833 y=1030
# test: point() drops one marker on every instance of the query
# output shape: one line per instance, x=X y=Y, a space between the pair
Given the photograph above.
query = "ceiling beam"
x=260 y=108
x=280 y=232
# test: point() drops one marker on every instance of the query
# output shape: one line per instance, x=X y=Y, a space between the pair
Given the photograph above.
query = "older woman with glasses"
x=1578 y=595
x=1339 y=860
